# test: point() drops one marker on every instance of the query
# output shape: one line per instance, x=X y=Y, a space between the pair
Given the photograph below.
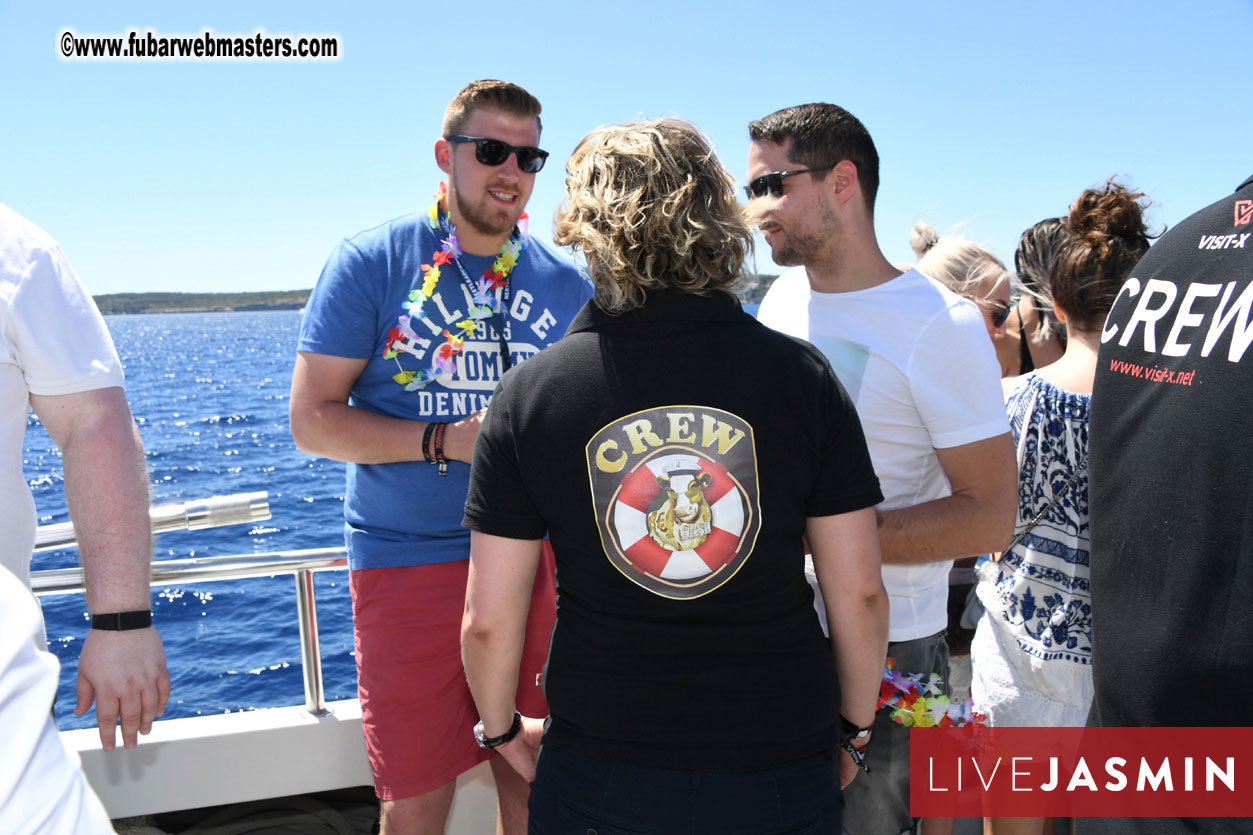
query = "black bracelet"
x=851 y=730
x=122 y=621
x=426 y=443
x=858 y=755
x=490 y=742
x=439 y=448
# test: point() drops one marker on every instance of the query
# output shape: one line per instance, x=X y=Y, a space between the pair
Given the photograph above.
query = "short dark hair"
x=816 y=135
x=489 y=94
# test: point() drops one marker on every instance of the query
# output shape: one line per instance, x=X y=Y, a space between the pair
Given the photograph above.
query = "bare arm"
x=846 y=560
x=322 y=422
x=978 y=518
x=498 y=597
x=106 y=489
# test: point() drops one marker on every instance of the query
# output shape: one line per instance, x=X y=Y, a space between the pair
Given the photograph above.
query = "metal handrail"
x=201 y=569
x=213 y=512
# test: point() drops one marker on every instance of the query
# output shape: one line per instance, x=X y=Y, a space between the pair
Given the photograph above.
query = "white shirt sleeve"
x=55 y=332
x=958 y=390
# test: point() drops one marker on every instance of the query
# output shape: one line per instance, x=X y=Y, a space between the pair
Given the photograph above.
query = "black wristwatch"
x=490 y=742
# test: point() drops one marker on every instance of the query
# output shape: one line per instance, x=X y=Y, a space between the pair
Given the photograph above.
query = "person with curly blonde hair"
x=651 y=207
x=677 y=452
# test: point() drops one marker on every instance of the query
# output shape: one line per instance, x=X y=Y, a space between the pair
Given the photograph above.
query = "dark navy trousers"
x=576 y=795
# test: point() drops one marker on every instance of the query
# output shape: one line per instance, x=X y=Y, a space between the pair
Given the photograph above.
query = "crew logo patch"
x=675 y=495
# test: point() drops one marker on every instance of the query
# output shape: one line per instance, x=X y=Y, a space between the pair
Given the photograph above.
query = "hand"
x=522 y=752
x=459 y=437
x=124 y=673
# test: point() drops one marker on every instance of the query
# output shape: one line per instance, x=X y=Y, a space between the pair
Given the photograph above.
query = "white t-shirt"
x=917 y=362
x=42 y=788
x=52 y=341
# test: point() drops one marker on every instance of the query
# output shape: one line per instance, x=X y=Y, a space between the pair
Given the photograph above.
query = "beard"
x=811 y=246
x=797 y=250
x=484 y=218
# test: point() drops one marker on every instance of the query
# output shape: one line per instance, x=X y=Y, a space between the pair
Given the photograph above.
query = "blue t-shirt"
x=405 y=513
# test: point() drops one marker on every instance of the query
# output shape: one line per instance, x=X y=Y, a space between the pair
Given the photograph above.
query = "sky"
x=226 y=176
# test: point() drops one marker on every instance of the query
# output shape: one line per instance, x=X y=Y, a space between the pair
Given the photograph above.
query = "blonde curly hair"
x=651 y=207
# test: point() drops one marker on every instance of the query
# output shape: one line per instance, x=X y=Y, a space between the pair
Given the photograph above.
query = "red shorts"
x=416 y=707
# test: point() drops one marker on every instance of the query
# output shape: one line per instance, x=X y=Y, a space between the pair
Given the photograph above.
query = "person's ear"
x=844 y=182
x=443 y=155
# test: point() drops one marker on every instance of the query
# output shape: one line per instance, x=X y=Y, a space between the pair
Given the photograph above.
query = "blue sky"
x=229 y=176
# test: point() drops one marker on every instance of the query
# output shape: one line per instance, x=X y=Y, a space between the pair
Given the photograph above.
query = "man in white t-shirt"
x=57 y=358
x=917 y=362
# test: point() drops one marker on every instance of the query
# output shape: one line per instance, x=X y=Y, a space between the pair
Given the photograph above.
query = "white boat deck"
x=254 y=755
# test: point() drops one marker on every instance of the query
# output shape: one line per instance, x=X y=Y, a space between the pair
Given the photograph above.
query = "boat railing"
x=214 y=512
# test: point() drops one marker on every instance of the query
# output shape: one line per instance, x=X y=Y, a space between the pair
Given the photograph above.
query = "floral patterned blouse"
x=1038 y=593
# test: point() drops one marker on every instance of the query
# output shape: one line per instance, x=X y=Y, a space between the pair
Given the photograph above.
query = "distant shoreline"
x=125 y=303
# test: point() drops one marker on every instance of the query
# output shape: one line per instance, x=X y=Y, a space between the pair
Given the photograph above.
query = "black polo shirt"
x=673 y=454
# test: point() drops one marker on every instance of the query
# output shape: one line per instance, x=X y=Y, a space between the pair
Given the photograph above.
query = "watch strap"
x=122 y=621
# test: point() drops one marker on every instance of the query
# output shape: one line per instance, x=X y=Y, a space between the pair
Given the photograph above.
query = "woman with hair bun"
x=1032 y=649
x=969 y=270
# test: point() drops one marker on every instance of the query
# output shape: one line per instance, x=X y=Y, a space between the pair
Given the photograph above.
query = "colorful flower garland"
x=484 y=304
x=919 y=704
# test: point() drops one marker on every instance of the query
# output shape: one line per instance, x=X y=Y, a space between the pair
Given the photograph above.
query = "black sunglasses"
x=773 y=182
x=495 y=152
x=998 y=314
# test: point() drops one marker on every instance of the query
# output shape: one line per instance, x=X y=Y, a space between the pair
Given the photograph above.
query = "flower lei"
x=483 y=306
x=923 y=705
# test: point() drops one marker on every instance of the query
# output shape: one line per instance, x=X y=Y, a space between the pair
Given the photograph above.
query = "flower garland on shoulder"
x=484 y=304
x=919 y=704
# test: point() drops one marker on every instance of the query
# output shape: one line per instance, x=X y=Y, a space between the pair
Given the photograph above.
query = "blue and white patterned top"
x=1038 y=593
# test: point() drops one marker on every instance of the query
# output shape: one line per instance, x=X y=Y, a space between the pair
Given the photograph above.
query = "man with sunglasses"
x=404 y=339
x=917 y=362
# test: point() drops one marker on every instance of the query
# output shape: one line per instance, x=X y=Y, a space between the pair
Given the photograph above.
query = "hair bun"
x=1101 y=217
x=922 y=238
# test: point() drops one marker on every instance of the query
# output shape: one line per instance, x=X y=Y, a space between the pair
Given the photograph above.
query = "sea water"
x=209 y=392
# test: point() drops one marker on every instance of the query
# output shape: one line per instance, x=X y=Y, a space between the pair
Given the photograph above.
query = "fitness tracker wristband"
x=122 y=621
